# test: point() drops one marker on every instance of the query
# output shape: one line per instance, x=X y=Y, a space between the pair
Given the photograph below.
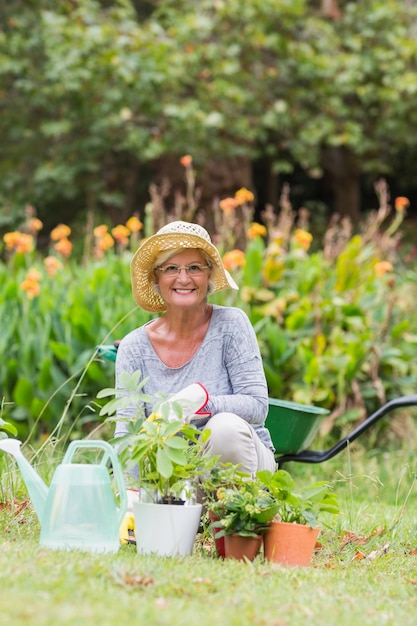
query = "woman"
x=193 y=341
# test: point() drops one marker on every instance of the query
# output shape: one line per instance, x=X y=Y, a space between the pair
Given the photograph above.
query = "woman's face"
x=184 y=289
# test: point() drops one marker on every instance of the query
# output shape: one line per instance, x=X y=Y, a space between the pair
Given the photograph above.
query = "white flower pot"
x=166 y=529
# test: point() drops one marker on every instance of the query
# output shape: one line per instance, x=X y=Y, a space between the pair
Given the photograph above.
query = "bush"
x=335 y=321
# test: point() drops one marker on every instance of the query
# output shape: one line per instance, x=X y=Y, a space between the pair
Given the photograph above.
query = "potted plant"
x=243 y=511
x=221 y=475
x=292 y=534
x=163 y=457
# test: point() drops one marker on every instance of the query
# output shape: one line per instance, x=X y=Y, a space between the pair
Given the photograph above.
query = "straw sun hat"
x=173 y=236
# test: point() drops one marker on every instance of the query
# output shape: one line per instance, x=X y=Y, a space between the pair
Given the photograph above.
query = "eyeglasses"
x=174 y=270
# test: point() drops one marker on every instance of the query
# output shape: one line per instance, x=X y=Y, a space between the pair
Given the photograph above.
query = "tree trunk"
x=339 y=165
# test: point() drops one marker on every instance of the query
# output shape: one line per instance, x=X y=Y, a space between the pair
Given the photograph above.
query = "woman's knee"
x=231 y=438
x=225 y=425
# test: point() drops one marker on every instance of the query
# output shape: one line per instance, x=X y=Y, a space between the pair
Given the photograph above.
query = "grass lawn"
x=364 y=573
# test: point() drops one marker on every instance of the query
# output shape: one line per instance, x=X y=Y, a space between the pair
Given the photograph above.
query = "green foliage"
x=335 y=326
x=302 y=505
x=5 y=427
x=244 y=509
x=336 y=323
x=129 y=394
x=245 y=506
x=275 y=78
x=49 y=371
x=163 y=456
x=74 y=123
x=225 y=475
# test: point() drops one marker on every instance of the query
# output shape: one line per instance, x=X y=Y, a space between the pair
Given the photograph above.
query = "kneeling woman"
x=173 y=272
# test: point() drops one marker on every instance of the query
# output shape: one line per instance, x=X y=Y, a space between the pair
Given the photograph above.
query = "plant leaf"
x=163 y=464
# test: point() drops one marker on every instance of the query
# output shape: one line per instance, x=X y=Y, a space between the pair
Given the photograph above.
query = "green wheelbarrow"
x=294 y=426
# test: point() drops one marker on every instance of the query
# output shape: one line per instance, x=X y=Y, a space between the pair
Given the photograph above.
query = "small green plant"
x=244 y=509
x=169 y=456
x=298 y=505
x=163 y=456
x=225 y=475
x=5 y=427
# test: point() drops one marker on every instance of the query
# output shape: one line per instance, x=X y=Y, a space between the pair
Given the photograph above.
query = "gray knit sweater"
x=228 y=363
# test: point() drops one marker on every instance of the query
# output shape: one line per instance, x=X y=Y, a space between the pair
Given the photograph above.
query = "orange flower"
x=12 y=239
x=62 y=231
x=382 y=267
x=33 y=274
x=256 y=230
x=31 y=283
x=52 y=265
x=32 y=287
x=105 y=243
x=186 y=160
x=303 y=238
x=134 y=224
x=35 y=225
x=19 y=242
x=227 y=205
x=401 y=203
x=234 y=259
x=100 y=231
x=64 y=247
x=121 y=234
x=25 y=244
x=243 y=195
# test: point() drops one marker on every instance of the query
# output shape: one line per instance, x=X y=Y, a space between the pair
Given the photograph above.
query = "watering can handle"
x=117 y=471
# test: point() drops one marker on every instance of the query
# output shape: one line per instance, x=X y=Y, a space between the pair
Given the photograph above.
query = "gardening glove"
x=192 y=400
x=127 y=528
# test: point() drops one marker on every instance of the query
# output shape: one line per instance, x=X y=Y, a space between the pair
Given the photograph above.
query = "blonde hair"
x=165 y=255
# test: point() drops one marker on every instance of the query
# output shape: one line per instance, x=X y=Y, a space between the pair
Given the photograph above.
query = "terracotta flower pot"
x=241 y=548
x=290 y=544
x=218 y=543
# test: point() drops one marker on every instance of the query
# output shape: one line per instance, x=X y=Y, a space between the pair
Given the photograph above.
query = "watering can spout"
x=37 y=489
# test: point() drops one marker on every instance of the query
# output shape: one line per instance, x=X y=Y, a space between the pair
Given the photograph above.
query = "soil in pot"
x=290 y=544
x=171 y=500
x=242 y=548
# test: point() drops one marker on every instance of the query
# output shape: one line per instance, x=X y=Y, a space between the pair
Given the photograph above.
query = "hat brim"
x=143 y=262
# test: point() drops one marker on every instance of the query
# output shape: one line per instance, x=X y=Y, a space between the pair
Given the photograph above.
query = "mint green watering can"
x=79 y=510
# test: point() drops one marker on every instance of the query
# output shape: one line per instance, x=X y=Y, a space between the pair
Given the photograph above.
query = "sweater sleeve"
x=242 y=358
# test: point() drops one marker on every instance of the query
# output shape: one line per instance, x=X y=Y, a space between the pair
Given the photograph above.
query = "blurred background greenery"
x=288 y=128
x=100 y=98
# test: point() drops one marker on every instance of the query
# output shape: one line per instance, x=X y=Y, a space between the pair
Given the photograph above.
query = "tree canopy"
x=92 y=91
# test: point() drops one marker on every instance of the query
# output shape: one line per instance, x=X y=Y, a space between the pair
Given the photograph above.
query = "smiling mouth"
x=183 y=291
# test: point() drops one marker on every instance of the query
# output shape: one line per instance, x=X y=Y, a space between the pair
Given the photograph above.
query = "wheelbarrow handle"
x=318 y=456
